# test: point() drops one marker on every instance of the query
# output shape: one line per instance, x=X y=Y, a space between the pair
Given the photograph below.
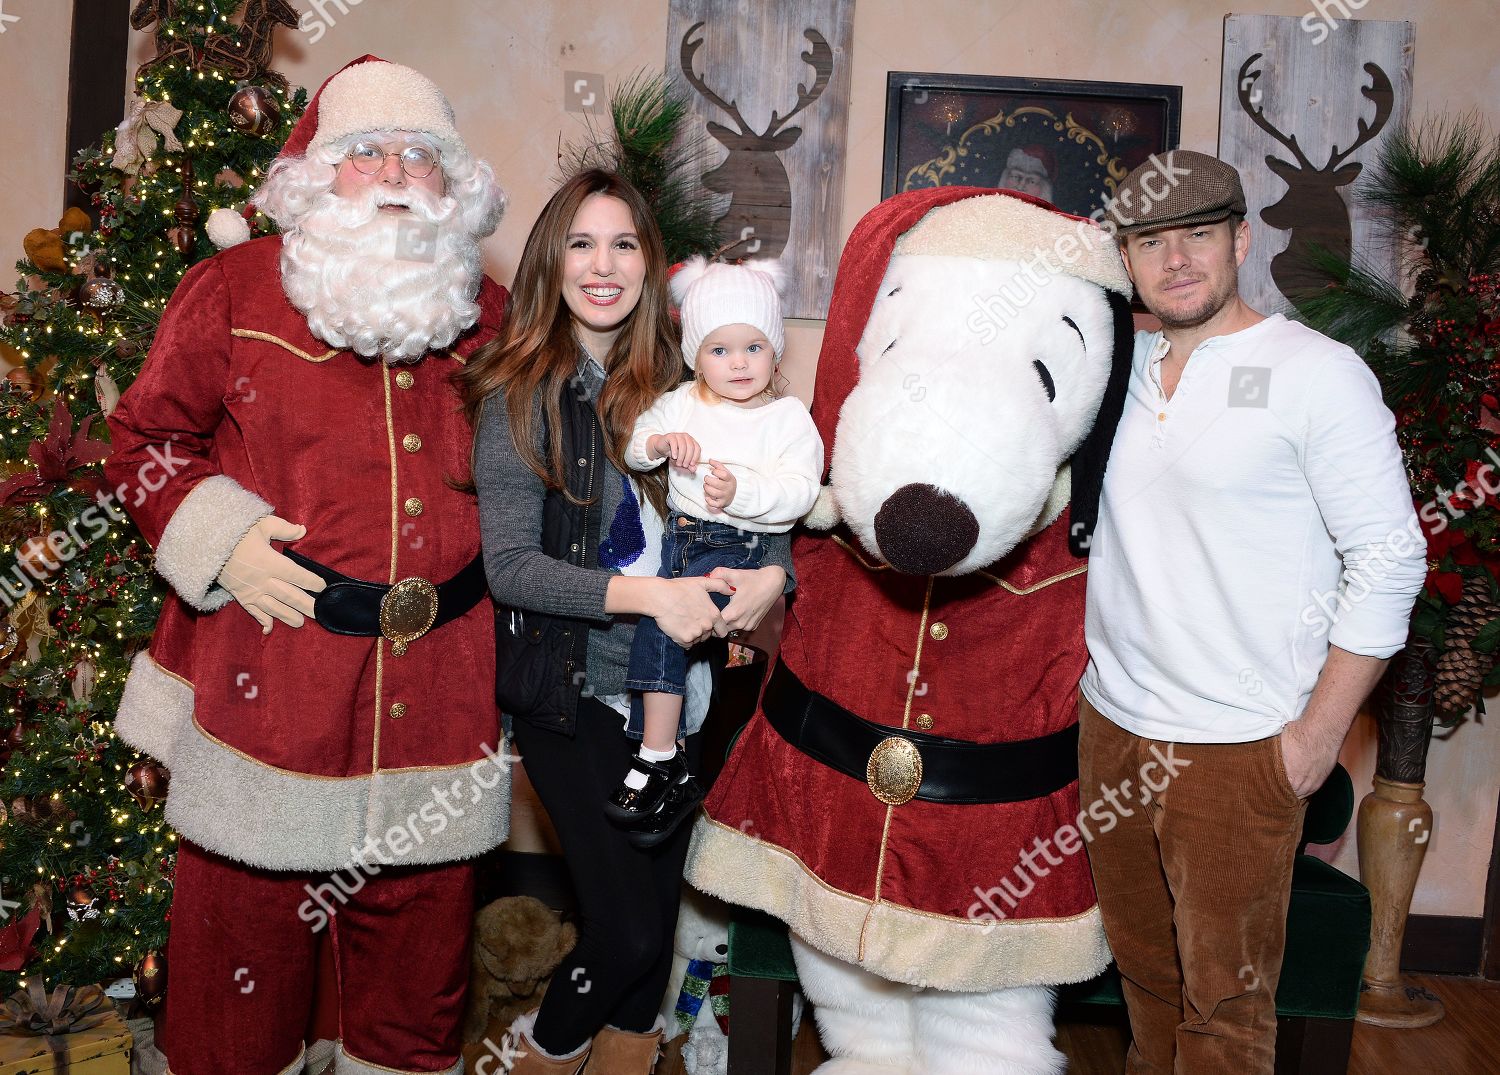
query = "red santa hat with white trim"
x=366 y=95
x=978 y=222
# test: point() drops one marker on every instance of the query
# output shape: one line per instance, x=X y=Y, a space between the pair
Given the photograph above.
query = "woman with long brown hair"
x=571 y=547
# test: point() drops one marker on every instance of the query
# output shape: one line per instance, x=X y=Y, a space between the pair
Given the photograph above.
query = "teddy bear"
x=697 y=997
x=518 y=943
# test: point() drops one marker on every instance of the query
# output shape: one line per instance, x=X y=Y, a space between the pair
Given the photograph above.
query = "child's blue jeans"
x=689 y=547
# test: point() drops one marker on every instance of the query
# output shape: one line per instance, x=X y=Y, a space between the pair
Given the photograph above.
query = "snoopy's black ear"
x=1092 y=455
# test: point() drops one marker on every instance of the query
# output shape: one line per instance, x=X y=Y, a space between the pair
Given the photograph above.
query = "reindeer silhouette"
x=243 y=56
x=760 y=203
x=1312 y=209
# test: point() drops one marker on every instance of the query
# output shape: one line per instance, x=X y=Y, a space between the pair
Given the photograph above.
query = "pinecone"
x=1461 y=669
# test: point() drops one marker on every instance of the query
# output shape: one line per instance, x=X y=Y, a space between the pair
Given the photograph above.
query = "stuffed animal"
x=905 y=797
x=518 y=943
x=47 y=248
x=697 y=997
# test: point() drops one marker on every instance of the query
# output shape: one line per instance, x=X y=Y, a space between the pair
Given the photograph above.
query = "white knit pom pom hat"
x=712 y=295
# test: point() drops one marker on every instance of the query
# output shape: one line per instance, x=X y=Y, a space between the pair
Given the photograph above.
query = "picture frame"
x=1069 y=142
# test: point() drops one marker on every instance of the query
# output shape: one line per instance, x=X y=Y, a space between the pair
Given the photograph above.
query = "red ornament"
x=147 y=781
x=150 y=976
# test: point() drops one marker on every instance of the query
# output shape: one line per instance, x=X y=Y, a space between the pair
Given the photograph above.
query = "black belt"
x=401 y=613
x=900 y=765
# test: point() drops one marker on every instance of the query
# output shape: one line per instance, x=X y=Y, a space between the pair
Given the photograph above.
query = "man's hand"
x=1310 y=744
x=718 y=486
x=680 y=448
x=1307 y=758
x=267 y=584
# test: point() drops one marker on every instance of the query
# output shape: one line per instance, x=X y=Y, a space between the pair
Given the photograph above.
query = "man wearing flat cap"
x=1254 y=566
x=318 y=679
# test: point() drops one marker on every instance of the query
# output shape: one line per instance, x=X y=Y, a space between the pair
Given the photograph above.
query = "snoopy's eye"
x=892 y=291
x=1074 y=326
x=1047 y=382
x=889 y=346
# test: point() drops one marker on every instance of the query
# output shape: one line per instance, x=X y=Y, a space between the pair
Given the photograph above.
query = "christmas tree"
x=86 y=861
x=1432 y=336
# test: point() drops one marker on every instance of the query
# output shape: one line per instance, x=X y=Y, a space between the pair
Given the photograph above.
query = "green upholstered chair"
x=1328 y=936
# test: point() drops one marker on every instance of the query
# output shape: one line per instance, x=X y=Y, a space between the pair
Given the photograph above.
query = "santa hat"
x=367 y=94
x=712 y=295
x=978 y=222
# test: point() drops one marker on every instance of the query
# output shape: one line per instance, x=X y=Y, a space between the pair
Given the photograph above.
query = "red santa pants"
x=242 y=958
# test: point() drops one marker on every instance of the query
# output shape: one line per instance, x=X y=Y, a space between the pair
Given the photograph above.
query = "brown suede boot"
x=513 y=1051
x=624 y=1052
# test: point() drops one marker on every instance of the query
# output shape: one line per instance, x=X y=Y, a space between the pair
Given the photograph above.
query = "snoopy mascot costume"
x=906 y=796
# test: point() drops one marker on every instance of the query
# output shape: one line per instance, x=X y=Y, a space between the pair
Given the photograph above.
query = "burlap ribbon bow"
x=69 y=1010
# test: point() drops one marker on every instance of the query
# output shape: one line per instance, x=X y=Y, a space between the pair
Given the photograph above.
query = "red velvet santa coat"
x=911 y=892
x=289 y=750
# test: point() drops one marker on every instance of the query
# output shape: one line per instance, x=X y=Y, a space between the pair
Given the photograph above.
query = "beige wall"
x=33 y=121
x=503 y=63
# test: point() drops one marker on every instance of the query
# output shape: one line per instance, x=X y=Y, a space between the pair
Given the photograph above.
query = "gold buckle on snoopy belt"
x=401 y=613
x=894 y=771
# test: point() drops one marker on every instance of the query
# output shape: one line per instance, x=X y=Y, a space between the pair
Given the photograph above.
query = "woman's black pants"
x=627 y=899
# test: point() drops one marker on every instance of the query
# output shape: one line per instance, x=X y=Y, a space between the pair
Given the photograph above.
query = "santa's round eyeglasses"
x=418 y=162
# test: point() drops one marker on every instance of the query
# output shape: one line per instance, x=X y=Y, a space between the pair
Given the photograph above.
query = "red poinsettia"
x=57 y=457
x=1444 y=541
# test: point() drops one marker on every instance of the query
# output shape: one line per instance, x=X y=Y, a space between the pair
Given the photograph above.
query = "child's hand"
x=680 y=448
x=718 y=486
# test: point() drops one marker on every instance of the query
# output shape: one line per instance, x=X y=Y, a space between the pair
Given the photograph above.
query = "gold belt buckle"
x=407 y=612
x=894 y=772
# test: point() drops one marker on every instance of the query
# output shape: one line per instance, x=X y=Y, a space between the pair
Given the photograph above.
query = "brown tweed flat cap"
x=1174 y=189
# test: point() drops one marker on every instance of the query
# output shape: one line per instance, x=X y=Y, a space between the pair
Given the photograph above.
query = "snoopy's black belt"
x=402 y=613
x=901 y=765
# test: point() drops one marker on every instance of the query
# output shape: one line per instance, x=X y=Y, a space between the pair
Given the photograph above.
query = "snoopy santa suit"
x=298 y=752
x=918 y=736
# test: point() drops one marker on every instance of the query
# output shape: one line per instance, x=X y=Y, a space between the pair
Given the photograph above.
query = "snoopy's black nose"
x=923 y=530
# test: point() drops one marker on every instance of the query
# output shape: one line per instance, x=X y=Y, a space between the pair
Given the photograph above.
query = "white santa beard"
x=343 y=267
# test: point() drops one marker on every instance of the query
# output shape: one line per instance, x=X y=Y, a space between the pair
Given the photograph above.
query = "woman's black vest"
x=541 y=666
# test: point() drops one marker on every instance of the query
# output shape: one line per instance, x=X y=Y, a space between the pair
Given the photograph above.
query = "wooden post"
x=1394 y=826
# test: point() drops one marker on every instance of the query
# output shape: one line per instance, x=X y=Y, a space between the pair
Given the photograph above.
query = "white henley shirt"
x=1256 y=517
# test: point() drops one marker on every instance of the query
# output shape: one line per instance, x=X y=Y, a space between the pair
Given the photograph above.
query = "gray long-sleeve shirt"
x=522 y=576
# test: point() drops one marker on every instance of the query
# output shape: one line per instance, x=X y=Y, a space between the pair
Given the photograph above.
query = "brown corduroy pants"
x=1193 y=881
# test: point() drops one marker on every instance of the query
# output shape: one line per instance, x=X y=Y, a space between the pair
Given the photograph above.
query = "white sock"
x=635 y=780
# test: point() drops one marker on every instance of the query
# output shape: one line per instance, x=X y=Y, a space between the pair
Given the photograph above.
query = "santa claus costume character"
x=288 y=451
x=571 y=546
x=745 y=463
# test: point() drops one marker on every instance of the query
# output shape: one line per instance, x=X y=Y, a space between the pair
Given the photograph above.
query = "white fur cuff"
x=201 y=536
x=344 y=1064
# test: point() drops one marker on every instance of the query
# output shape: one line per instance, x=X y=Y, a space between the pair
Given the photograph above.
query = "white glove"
x=267 y=584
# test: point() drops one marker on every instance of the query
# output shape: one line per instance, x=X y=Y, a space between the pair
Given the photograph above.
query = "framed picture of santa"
x=1066 y=142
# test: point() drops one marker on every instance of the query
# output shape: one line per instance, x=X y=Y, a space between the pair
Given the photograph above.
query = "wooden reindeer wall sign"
x=1302 y=117
x=750 y=70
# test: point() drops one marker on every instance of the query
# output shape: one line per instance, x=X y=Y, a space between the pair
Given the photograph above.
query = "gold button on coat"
x=938 y=630
x=413 y=506
x=411 y=442
x=398 y=710
x=404 y=379
x=924 y=721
